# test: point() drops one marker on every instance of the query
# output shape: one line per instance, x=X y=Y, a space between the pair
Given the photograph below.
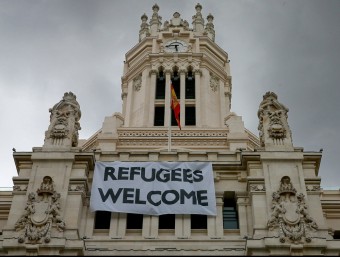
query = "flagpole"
x=169 y=129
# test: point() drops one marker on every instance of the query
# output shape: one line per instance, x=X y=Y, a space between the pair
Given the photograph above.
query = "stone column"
x=242 y=213
x=198 y=98
x=152 y=95
x=215 y=223
x=167 y=98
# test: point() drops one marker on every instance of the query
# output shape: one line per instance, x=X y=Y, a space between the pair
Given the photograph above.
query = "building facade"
x=268 y=195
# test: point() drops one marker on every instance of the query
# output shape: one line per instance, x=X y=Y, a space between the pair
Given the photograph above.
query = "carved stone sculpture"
x=290 y=214
x=273 y=124
x=64 y=123
x=41 y=214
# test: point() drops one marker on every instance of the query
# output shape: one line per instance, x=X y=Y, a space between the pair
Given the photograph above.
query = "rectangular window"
x=166 y=221
x=159 y=116
x=177 y=84
x=160 y=86
x=102 y=220
x=198 y=221
x=134 y=221
x=190 y=86
x=190 y=115
x=230 y=215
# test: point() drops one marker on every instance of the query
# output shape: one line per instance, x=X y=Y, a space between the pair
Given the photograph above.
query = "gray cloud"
x=50 y=47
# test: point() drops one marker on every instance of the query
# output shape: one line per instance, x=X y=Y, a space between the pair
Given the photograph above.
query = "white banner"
x=154 y=188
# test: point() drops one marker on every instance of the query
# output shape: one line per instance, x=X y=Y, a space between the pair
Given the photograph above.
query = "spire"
x=155 y=21
x=144 y=28
x=209 y=28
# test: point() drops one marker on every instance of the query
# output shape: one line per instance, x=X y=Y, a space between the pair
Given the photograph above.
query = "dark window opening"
x=134 y=221
x=199 y=221
x=102 y=220
x=160 y=86
x=190 y=86
x=176 y=84
x=230 y=215
x=166 y=221
x=159 y=116
x=190 y=115
x=336 y=234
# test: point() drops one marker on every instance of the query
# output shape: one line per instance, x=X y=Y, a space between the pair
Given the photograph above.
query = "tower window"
x=102 y=220
x=159 y=116
x=160 y=86
x=176 y=83
x=199 y=221
x=230 y=215
x=190 y=86
x=190 y=115
x=166 y=221
x=134 y=221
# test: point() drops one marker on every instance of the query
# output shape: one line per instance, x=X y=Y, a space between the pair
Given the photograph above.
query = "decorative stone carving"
x=273 y=125
x=214 y=82
x=64 y=122
x=258 y=188
x=137 y=83
x=41 y=214
x=209 y=28
x=290 y=214
x=155 y=21
x=197 y=20
x=144 y=27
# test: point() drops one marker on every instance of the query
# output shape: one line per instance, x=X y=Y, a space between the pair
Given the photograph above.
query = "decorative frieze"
x=214 y=82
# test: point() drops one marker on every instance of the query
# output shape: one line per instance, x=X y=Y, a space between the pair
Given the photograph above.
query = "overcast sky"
x=49 y=47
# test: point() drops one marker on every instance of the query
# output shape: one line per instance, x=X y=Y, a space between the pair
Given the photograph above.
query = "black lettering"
x=152 y=178
x=128 y=192
x=150 y=200
x=138 y=200
x=110 y=193
x=123 y=171
x=165 y=177
x=109 y=172
x=201 y=196
x=187 y=175
x=198 y=177
x=176 y=175
x=188 y=195
x=134 y=171
x=166 y=201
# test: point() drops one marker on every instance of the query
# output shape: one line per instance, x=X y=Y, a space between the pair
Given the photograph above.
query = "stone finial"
x=144 y=27
x=198 y=21
x=155 y=21
x=273 y=126
x=209 y=28
x=64 y=123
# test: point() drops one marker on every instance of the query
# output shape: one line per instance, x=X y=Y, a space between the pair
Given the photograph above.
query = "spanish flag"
x=175 y=105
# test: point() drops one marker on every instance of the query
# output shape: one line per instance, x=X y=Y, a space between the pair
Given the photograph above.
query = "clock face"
x=176 y=46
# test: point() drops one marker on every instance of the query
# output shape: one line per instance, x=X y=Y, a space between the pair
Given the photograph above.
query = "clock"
x=176 y=46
